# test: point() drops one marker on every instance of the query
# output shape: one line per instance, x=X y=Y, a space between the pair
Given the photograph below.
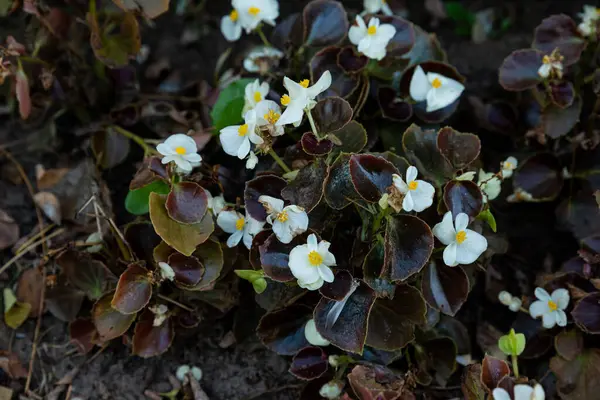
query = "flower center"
x=508 y=165
x=180 y=150
x=552 y=305
x=436 y=83
x=243 y=130
x=257 y=97
x=239 y=224
x=546 y=60
x=413 y=185
x=285 y=100
x=254 y=11
x=304 y=83
x=315 y=259
x=372 y=30
x=233 y=15
x=461 y=237
x=271 y=117
x=282 y=216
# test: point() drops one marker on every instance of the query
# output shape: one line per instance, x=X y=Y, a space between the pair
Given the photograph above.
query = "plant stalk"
x=279 y=161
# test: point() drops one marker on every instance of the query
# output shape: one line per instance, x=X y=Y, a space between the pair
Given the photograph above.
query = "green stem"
x=279 y=161
x=382 y=214
x=262 y=36
x=515 y=365
x=140 y=141
x=312 y=124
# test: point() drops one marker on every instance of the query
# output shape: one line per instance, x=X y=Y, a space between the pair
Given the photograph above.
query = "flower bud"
x=313 y=336
x=515 y=304
x=505 y=298
x=331 y=390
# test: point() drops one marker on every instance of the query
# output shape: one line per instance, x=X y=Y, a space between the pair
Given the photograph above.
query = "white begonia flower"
x=515 y=304
x=376 y=6
x=267 y=116
x=418 y=195
x=301 y=97
x=519 y=196
x=239 y=227
x=590 y=17
x=231 y=26
x=287 y=222
x=313 y=336
x=183 y=370
x=331 y=390
x=551 y=66
x=467 y=176
x=255 y=92
x=439 y=91
x=508 y=167
x=251 y=161
x=182 y=150
x=463 y=246
x=166 y=272
x=521 y=392
x=215 y=204
x=372 y=40
x=252 y=12
x=261 y=57
x=310 y=263
x=464 y=359
x=489 y=184
x=236 y=139
x=550 y=307
x=160 y=314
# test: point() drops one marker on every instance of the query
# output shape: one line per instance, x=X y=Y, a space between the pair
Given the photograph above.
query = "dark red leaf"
x=306 y=190
x=331 y=114
x=460 y=149
x=559 y=31
x=283 y=330
x=188 y=270
x=540 y=176
x=309 y=363
x=150 y=340
x=274 y=257
x=493 y=371
x=350 y=61
x=404 y=39
x=109 y=322
x=83 y=334
x=519 y=71
x=342 y=84
x=325 y=23
x=445 y=288
x=586 y=313
x=264 y=185
x=371 y=175
x=315 y=147
x=374 y=382
x=339 y=190
x=133 y=290
x=562 y=94
x=339 y=288
x=187 y=203
x=557 y=121
x=393 y=107
x=420 y=147
x=463 y=197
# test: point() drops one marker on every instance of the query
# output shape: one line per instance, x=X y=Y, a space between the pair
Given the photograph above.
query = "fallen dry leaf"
x=9 y=231
x=50 y=205
x=5 y=393
x=23 y=96
x=48 y=178
x=29 y=289
x=11 y=364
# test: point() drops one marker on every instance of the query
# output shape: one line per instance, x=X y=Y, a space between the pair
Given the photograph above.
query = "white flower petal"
x=500 y=394
x=385 y=33
x=231 y=30
x=231 y=140
x=295 y=90
x=244 y=149
x=275 y=204
x=561 y=317
x=422 y=196
x=561 y=298
x=313 y=244
x=227 y=221
x=313 y=336
x=282 y=231
x=541 y=294
x=235 y=238
x=183 y=164
x=165 y=150
x=538 y=308
x=399 y=183
x=357 y=32
x=408 y=202
x=523 y=392
x=326 y=273
x=291 y=115
x=539 y=393
x=419 y=85
x=444 y=230
x=461 y=222
x=322 y=85
x=411 y=173
x=449 y=255
x=469 y=251
x=300 y=265
x=316 y=285
x=298 y=219
x=549 y=320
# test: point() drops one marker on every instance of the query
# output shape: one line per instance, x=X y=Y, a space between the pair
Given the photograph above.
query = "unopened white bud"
x=505 y=298
x=515 y=304
x=331 y=390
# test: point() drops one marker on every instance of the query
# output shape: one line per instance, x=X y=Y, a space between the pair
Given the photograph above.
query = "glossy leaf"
x=375 y=382
x=408 y=246
x=339 y=288
x=445 y=288
x=350 y=61
x=557 y=121
x=578 y=378
x=488 y=217
x=142 y=239
x=133 y=290
x=210 y=254
x=109 y=322
x=151 y=170
x=188 y=270
x=342 y=84
x=374 y=274
x=420 y=147
x=115 y=47
x=227 y=110
x=404 y=39
x=471 y=385
x=83 y=334
x=339 y=191
x=392 y=107
x=586 y=313
x=519 y=71
x=325 y=23
x=331 y=114
x=435 y=359
x=309 y=363
x=540 y=176
x=352 y=138
x=182 y=237
x=187 y=203
x=306 y=190
x=350 y=329
x=559 y=32
x=315 y=147
x=64 y=301
x=150 y=340
x=283 y=330
x=569 y=344
x=110 y=148
x=392 y=321
x=460 y=149
x=463 y=197
x=493 y=371
x=371 y=175
x=137 y=201
x=279 y=295
x=83 y=272
x=562 y=94
x=274 y=257
x=264 y=185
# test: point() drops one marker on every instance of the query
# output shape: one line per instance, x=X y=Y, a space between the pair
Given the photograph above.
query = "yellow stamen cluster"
x=180 y=150
x=436 y=83
x=233 y=15
x=239 y=224
x=285 y=100
x=254 y=11
x=315 y=259
x=552 y=305
x=282 y=216
x=257 y=97
x=413 y=185
x=461 y=237
x=243 y=130
x=271 y=117
x=372 y=30
x=304 y=83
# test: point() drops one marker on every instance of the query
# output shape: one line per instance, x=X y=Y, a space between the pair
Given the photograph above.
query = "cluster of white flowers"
x=521 y=392
x=248 y=15
x=512 y=302
x=262 y=58
x=463 y=246
x=437 y=90
x=372 y=40
x=550 y=307
x=589 y=20
x=491 y=183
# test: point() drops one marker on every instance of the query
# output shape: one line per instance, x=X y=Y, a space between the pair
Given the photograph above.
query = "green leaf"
x=463 y=18
x=512 y=344
x=488 y=217
x=15 y=312
x=256 y=278
x=228 y=108
x=137 y=201
x=259 y=285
